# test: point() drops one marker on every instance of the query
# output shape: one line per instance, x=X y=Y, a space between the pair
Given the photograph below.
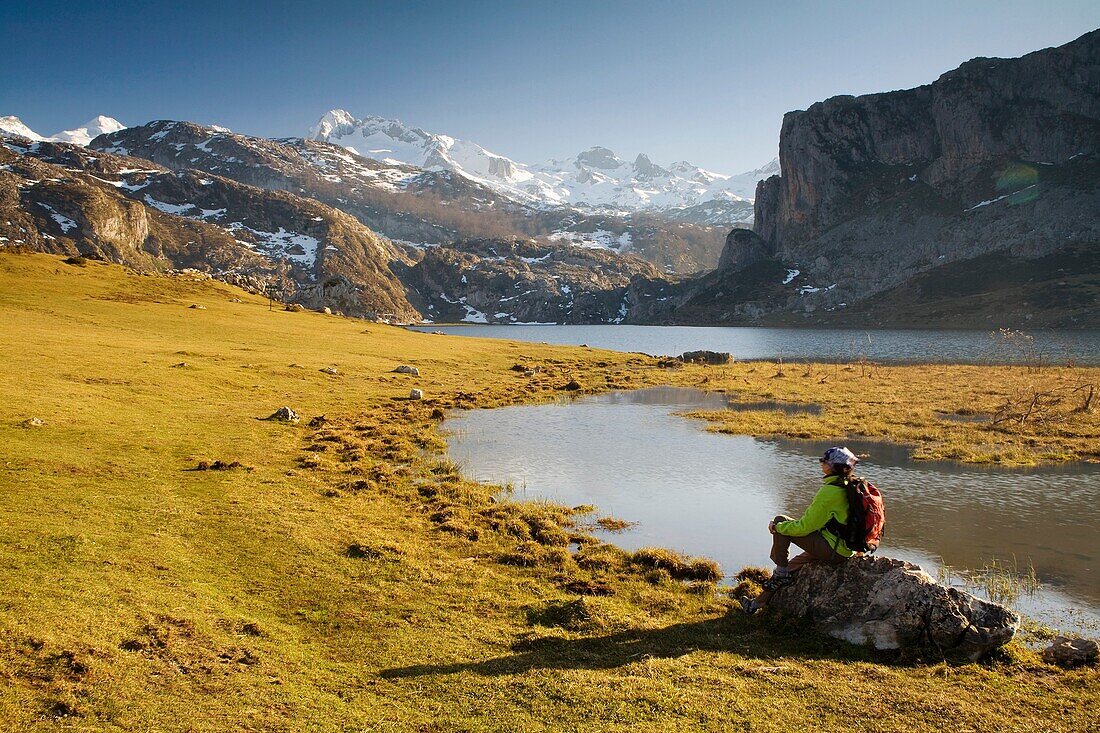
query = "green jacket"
x=831 y=501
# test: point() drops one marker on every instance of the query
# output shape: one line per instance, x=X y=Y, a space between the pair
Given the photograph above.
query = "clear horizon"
x=708 y=83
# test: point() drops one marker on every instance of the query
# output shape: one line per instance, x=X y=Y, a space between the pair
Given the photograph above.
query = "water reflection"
x=712 y=494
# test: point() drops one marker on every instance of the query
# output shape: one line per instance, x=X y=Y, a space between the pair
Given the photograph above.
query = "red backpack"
x=866 y=517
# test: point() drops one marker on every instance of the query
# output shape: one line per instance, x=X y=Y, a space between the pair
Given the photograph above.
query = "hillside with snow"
x=596 y=178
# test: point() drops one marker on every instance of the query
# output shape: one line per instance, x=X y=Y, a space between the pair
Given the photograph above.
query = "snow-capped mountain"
x=12 y=125
x=78 y=136
x=595 y=178
x=90 y=129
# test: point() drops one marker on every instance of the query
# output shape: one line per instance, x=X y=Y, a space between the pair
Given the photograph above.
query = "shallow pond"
x=710 y=494
x=894 y=345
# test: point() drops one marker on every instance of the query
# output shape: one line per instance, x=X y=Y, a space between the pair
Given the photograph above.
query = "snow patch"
x=177 y=209
x=62 y=221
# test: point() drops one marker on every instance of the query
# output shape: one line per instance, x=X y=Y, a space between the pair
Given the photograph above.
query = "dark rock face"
x=1043 y=107
x=892 y=604
x=744 y=247
x=712 y=358
x=1000 y=157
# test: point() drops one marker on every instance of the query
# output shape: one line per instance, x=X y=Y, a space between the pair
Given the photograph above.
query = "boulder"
x=706 y=357
x=893 y=604
x=406 y=369
x=284 y=414
x=294 y=307
x=32 y=422
x=328 y=370
x=196 y=306
x=1067 y=652
x=416 y=394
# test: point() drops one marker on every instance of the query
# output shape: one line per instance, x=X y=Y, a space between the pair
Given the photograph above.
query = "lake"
x=880 y=345
x=710 y=494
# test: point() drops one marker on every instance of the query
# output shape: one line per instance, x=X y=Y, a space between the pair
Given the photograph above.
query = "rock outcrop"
x=893 y=604
x=1067 y=652
x=993 y=169
x=706 y=357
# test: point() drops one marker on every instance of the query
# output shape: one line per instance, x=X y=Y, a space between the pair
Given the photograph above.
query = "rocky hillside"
x=523 y=281
x=892 y=198
x=407 y=203
x=67 y=199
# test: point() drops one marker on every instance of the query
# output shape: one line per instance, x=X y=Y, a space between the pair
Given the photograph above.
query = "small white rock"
x=416 y=394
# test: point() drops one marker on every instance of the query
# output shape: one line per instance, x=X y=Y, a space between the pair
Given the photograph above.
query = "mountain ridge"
x=82 y=135
x=595 y=177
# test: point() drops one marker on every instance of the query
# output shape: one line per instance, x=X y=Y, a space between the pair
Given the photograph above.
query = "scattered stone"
x=179 y=365
x=32 y=422
x=296 y=365
x=893 y=604
x=328 y=370
x=1069 y=653
x=572 y=385
x=318 y=421
x=196 y=306
x=218 y=465
x=327 y=311
x=416 y=394
x=406 y=369
x=712 y=358
x=284 y=414
x=235 y=300
x=438 y=333
x=294 y=307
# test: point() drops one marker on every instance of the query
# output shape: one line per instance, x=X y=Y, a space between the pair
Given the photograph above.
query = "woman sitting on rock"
x=809 y=532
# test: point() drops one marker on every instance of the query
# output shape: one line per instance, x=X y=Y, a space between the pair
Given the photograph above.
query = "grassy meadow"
x=346 y=577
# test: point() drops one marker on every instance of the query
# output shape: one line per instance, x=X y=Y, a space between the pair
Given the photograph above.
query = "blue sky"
x=706 y=82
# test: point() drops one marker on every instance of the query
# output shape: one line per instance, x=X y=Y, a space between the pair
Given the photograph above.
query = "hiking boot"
x=748 y=605
x=776 y=582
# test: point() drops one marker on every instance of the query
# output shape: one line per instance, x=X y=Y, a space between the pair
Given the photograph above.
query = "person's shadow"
x=727 y=634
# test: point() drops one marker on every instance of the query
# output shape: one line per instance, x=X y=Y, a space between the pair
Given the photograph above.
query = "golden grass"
x=353 y=580
x=915 y=406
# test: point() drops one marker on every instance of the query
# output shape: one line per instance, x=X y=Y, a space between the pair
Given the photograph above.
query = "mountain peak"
x=12 y=125
x=94 y=127
x=332 y=123
x=646 y=168
x=599 y=157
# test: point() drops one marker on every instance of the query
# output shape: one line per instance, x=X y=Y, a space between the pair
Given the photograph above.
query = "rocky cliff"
x=998 y=157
